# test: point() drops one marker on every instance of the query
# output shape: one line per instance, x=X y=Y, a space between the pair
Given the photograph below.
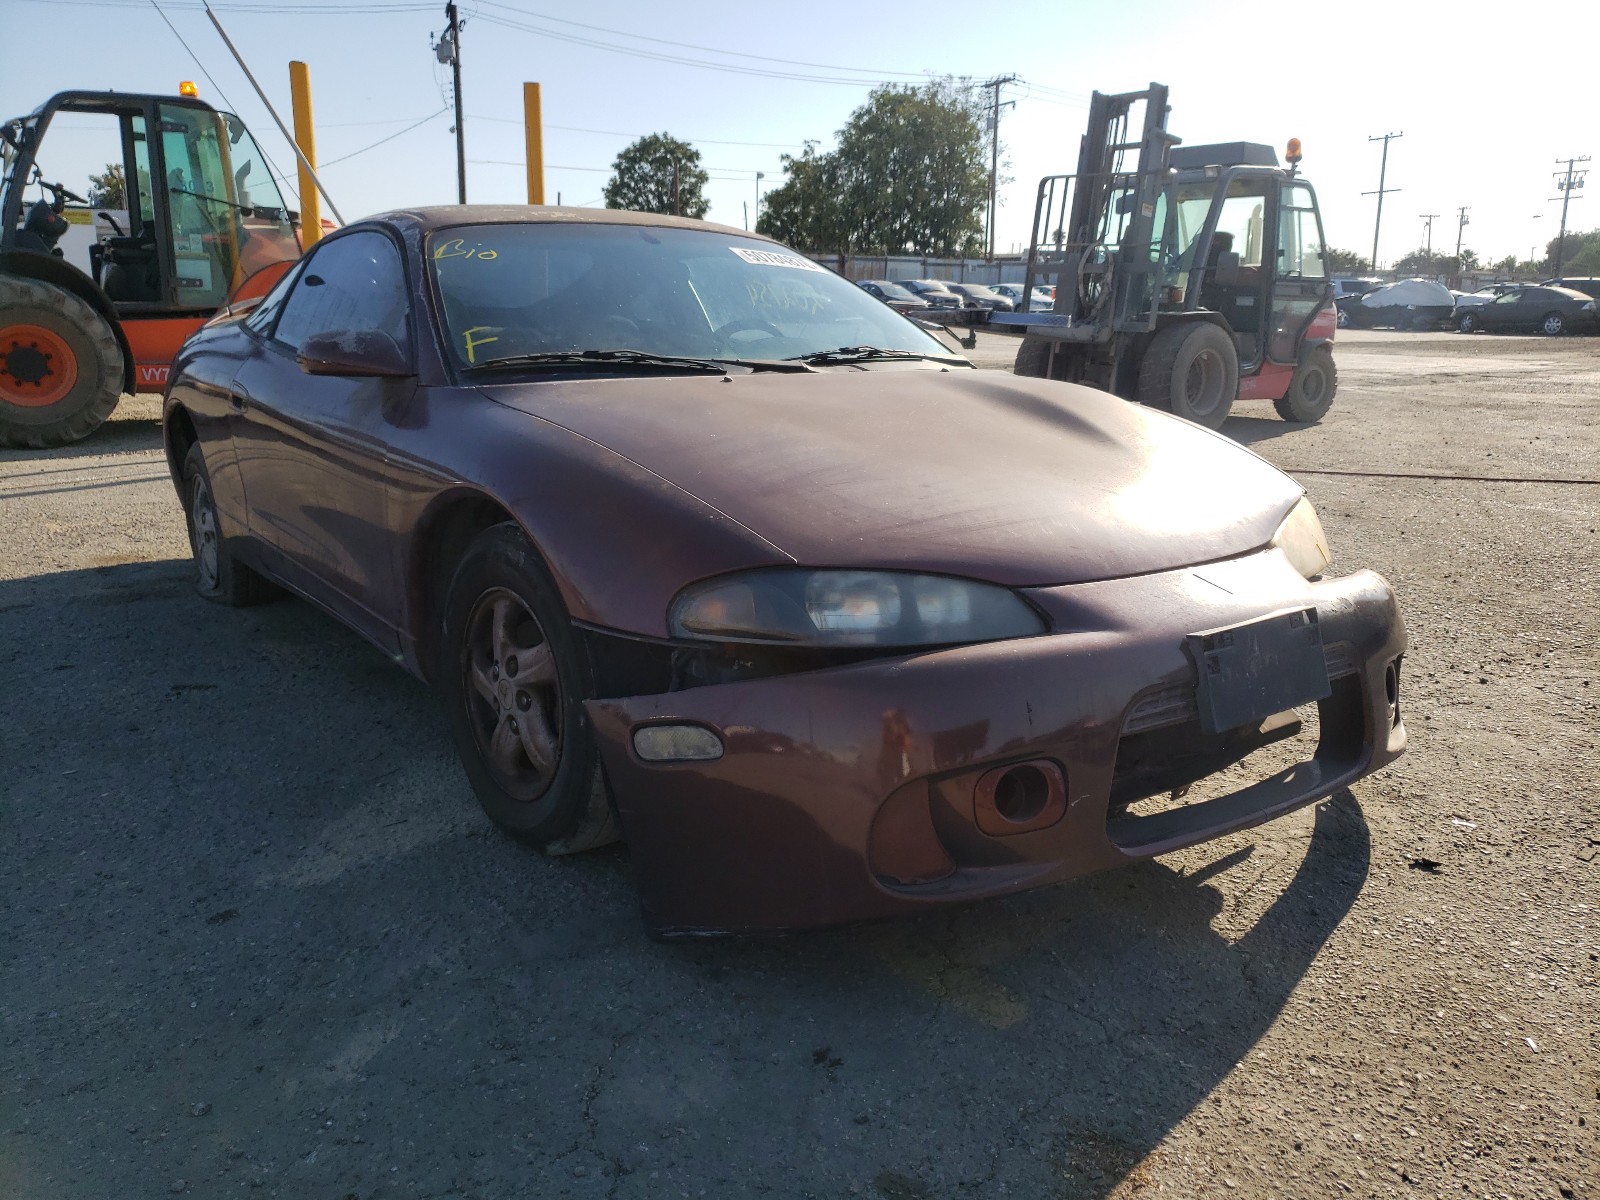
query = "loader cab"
x=1245 y=241
x=182 y=205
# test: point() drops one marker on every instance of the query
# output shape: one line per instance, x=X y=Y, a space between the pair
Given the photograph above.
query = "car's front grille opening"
x=1172 y=781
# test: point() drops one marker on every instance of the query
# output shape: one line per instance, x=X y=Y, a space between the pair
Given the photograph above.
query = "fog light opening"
x=676 y=743
x=1020 y=794
x=1020 y=797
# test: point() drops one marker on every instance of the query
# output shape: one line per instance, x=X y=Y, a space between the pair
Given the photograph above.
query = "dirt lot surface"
x=261 y=941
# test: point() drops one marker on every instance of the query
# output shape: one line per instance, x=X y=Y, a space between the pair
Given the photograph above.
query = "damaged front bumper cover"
x=890 y=786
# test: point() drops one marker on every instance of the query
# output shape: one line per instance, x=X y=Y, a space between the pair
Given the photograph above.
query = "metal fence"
x=951 y=270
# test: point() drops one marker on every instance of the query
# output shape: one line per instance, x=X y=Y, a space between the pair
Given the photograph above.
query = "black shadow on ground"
x=259 y=933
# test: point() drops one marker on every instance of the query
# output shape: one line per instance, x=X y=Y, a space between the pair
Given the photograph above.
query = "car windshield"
x=893 y=291
x=535 y=288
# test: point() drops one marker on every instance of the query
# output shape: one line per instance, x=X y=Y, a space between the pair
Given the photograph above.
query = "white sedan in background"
x=1043 y=299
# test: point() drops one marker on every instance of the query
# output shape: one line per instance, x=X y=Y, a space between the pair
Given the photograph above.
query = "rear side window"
x=354 y=283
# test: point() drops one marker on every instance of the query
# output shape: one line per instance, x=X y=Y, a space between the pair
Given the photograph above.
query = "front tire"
x=1468 y=323
x=1310 y=393
x=1552 y=324
x=60 y=365
x=218 y=576
x=1191 y=370
x=515 y=677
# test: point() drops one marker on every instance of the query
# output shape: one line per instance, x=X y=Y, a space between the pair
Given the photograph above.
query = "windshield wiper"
x=632 y=359
x=602 y=358
x=851 y=354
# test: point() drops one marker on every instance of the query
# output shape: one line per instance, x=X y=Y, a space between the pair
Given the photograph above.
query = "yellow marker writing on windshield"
x=457 y=248
x=472 y=343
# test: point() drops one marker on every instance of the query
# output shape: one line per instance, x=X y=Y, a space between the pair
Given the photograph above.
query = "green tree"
x=804 y=211
x=909 y=177
x=1579 y=256
x=642 y=178
x=108 y=189
x=1345 y=262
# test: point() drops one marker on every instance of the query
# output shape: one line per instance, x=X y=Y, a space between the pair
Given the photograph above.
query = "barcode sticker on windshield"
x=767 y=258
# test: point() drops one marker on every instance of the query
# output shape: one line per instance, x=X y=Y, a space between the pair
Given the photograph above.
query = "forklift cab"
x=1245 y=242
x=202 y=210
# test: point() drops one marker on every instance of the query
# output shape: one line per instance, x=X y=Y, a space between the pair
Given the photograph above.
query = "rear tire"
x=219 y=577
x=1552 y=324
x=1033 y=358
x=515 y=676
x=1191 y=370
x=61 y=367
x=1310 y=393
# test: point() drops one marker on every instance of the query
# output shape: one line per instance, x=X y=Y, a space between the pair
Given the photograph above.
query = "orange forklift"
x=202 y=225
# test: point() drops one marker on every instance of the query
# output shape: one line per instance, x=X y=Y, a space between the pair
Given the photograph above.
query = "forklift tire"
x=1033 y=358
x=1310 y=393
x=1191 y=370
x=60 y=365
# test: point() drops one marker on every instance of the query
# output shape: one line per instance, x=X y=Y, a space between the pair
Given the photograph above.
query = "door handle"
x=238 y=398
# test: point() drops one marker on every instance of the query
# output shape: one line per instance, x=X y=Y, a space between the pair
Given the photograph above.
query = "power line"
x=623 y=133
x=390 y=138
x=677 y=59
x=696 y=46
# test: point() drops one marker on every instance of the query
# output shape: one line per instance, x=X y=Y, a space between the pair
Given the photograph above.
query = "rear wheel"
x=218 y=576
x=1033 y=358
x=60 y=365
x=1553 y=324
x=516 y=677
x=1192 y=370
x=1310 y=393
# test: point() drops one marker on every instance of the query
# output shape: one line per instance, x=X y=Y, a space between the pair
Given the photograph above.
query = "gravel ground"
x=262 y=942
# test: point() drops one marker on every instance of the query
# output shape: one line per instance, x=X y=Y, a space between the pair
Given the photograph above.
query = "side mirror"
x=1227 y=269
x=367 y=353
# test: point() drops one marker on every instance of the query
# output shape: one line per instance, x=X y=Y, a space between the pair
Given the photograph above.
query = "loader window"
x=1300 y=254
x=203 y=238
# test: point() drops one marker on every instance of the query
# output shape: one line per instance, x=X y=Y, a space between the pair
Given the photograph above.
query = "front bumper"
x=859 y=791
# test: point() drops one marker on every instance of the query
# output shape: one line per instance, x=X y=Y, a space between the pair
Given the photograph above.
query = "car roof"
x=444 y=216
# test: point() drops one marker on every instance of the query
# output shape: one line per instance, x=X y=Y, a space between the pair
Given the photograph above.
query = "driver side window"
x=355 y=282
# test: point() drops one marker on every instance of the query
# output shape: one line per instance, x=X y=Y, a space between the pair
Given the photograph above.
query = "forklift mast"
x=1095 y=237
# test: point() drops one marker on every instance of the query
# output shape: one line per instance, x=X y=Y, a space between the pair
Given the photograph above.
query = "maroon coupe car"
x=708 y=549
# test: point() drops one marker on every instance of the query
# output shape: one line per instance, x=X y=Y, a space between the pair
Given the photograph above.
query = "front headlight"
x=1301 y=539
x=849 y=608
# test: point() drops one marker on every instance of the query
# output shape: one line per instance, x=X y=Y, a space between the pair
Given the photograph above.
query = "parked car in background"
x=1587 y=284
x=936 y=292
x=1350 y=286
x=980 y=296
x=703 y=547
x=895 y=296
x=1408 y=304
x=1547 y=310
x=1484 y=294
x=1042 y=300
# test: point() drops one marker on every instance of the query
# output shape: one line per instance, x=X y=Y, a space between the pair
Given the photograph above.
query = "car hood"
x=974 y=473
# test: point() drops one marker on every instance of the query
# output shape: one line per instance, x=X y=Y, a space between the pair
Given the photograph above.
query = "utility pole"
x=448 y=50
x=994 y=85
x=760 y=175
x=677 y=192
x=1461 y=227
x=1566 y=183
x=1383 y=172
x=1428 y=225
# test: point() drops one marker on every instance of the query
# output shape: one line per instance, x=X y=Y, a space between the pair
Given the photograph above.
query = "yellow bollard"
x=305 y=137
x=535 y=130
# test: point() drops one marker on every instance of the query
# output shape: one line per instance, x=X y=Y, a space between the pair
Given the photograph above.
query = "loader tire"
x=1191 y=370
x=60 y=365
x=1310 y=393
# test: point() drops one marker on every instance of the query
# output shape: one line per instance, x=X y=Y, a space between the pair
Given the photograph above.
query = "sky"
x=748 y=82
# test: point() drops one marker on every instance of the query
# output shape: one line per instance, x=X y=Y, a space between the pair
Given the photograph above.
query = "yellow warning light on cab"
x=1293 y=152
x=187 y=88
